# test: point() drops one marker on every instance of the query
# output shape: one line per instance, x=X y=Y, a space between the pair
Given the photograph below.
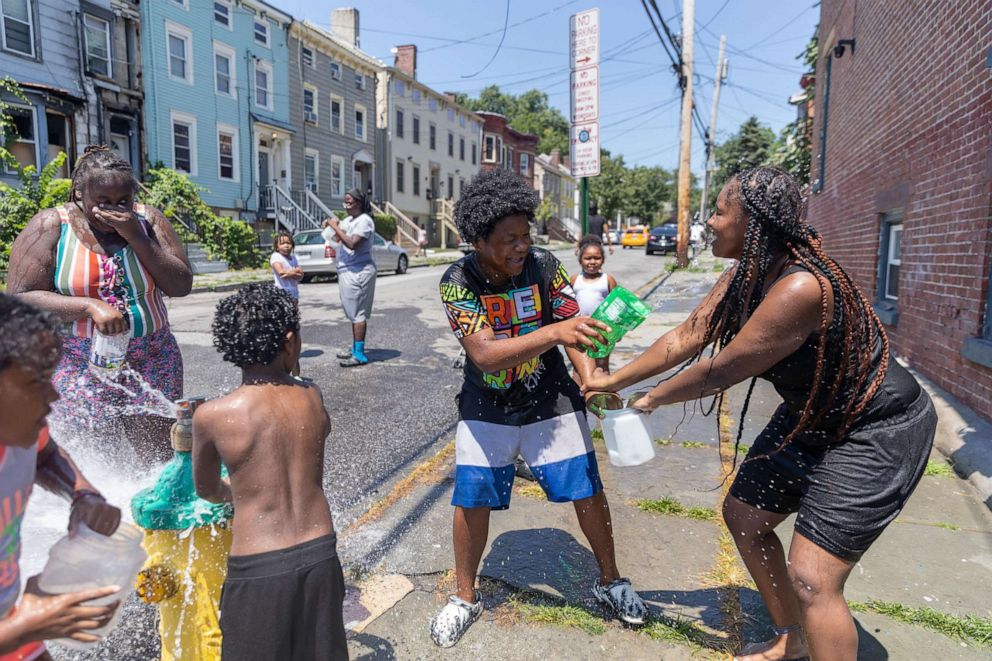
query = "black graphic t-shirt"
x=542 y=294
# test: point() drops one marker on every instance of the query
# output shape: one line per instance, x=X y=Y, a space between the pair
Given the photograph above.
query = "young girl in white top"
x=592 y=286
x=286 y=271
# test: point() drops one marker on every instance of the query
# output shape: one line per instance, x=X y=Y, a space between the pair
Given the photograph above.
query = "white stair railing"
x=289 y=214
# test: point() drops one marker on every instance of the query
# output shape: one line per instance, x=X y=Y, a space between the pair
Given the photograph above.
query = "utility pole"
x=685 y=135
x=721 y=74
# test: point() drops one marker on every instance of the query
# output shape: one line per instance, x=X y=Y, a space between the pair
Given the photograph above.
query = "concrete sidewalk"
x=923 y=586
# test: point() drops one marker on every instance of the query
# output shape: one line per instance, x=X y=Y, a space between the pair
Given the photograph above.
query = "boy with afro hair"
x=284 y=591
x=511 y=306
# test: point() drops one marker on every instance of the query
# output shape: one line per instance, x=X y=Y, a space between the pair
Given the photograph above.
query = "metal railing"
x=288 y=213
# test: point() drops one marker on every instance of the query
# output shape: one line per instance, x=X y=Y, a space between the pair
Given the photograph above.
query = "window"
x=227 y=152
x=337 y=176
x=97 y=33
x=224 y=78
x=311 y=169
x=415 y=96
x=451 y=186
x=336 y=104
x=492 y=150
x=263 y=84
x=25 y=145
x=451 y=144
x=399 y=123
x=360 y=122
x=359 y=81
x=180 y=44
x=335 y=70
x=474 y=150
x=399 y=87
x=432 y=105
x=399 y=176
x=306 y=55
x=432 y=136
x=461 y=148
x=181 y=3
x=416 y=130
x=222 y=13
x=461 y=121
x=461 y=186
x=262 y=32
x=524 y=164
x=310 y=111
x=451 y=114
x=415 y=176
x=184 y=143
x=891 y=251
x=18 y=26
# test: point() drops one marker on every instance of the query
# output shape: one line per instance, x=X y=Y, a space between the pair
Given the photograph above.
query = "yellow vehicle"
x=634 y=237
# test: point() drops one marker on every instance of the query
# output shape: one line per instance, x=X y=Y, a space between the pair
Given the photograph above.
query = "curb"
x=963 y=437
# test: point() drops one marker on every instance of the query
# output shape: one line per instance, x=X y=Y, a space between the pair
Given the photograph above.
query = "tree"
x=794 y=148
x=646 y=190
x=528 y=113
x=752 y=145
x=607 y=190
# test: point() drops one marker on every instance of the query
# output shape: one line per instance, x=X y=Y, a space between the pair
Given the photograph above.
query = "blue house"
x=217 y=98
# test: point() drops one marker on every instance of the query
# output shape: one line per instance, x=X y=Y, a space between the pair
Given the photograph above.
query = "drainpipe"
x=81 y=56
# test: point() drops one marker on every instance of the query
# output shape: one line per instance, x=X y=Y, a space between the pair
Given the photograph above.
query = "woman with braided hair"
x=848 y=444
x=103 y=262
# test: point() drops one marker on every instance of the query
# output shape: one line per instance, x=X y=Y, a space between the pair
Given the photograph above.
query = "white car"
x=317 y=258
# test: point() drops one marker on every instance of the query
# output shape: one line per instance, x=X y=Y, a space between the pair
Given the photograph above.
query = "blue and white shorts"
x=558 y=450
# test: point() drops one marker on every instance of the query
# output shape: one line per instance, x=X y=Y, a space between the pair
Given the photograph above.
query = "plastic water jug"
x=108 y=352
x=91 y=560
x=627 y=439
x=622 y=312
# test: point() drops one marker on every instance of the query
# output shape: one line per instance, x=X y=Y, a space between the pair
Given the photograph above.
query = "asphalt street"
x=391 y=412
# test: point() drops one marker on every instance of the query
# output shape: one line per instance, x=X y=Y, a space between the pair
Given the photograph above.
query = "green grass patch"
x=563 y=616
x=663 y=442
x=947 y=526
x=743 y=449
x=672 y=507
x=693 y=444
x=939 y=468
x=968 y=628
x=682 y=631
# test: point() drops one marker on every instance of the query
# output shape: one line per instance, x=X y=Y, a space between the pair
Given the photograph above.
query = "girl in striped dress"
x=102 y=263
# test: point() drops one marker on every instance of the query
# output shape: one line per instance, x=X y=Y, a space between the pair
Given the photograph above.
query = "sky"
x=639 y=96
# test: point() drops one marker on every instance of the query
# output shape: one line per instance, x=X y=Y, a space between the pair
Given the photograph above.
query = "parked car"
x=614 y=237
x=634 y=237
x=662 y=239
x=317 y=258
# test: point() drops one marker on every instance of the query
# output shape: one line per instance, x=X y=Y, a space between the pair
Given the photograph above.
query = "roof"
x=333 y=41
x=519 y=135
x=410 y=80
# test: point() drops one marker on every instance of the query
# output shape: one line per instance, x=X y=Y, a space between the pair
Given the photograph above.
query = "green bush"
x=37 y=191
x=385 y=225
x=179 y=199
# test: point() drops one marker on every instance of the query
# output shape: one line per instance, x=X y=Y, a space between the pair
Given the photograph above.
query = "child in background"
x=284 y=592
x=594 y=284
x=29 y=351
x=286 y=270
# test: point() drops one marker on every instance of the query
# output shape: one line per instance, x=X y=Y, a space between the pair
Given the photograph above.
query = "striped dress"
x=118 y=279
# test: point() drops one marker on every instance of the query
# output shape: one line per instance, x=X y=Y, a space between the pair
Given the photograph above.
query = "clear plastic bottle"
x=90 y=560
x=108 y=352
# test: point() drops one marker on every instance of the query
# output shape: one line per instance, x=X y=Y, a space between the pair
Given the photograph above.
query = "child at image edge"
x=284 y=591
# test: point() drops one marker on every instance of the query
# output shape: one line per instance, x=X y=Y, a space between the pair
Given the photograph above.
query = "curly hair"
x=488 y=199
x=250 y=327
x=280 y=234
x=98 y=164
x=846 y=346
x=590 y=240
x=29 y=336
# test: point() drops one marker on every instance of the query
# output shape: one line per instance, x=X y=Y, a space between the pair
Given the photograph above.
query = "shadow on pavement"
x=869 y=647
x=382 y=355
x=379 y=648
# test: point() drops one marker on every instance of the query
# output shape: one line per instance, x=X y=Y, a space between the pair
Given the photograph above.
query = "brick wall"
x=910 y=127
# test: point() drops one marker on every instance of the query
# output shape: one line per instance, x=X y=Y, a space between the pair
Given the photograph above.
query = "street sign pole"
x=584 y=135
x=584 y=203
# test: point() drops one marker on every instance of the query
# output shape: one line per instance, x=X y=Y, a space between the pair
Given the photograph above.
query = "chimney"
x=344 y=25
x=555 y=157
x=452 y=97
x=406 y=59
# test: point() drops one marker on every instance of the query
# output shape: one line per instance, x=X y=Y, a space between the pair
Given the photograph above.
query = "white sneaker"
x=454 y=619
x=620 y=598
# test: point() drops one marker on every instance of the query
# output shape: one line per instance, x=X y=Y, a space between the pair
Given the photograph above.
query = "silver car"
x=317 y=258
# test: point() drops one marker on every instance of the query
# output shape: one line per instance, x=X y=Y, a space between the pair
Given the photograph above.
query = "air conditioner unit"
x=310 y=117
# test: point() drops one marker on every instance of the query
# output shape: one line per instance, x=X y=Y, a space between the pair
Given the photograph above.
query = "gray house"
x=332 y=109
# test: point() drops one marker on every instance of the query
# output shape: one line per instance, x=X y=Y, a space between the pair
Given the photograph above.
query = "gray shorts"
x=357 y=289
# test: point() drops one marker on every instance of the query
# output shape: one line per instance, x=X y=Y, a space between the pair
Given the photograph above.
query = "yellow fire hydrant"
x=187 y=540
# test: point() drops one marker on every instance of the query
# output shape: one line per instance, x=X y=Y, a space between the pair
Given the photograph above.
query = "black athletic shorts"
x=846 y=493
x=284 y=604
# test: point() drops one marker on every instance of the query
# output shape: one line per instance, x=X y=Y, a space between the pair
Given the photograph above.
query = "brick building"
x=505 y=147
x=902 y=176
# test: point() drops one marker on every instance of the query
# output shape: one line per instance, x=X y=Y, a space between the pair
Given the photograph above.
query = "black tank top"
x=792 y=378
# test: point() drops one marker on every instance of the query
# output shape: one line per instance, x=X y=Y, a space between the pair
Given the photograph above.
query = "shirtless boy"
x=284 y=590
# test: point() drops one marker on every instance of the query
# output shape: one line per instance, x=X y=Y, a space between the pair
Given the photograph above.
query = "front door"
x=265 y=200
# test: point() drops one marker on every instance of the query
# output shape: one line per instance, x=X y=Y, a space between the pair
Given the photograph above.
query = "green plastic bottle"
x=622 y=312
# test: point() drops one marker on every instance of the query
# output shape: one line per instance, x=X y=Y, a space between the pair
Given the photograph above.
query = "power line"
x=505 y=27
x=785 y=25
x=713 y=17
x=506 y=21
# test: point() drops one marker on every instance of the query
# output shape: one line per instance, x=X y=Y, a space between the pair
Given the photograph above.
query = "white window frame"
x=106 y=43
x=265 y=66
x=364 y=137
x=182 y=3
x=399 y=130
x=309 y=152
x=415 y=124
x=340 y=101
x=263 y=22
x=400 y=178
x=338 y=188
x=34 y=124
x=313 y=57
x=360 y=81
x=184 y=33
x=222 y=49
x=890 y=260
x=176 y=117
x=3 y=30
x=227 y=129
x=497 y=148
x=315 y=93
x=230 y=14
x=432 y=136
x=415 y=179
x=335 y=68
x=475 y=153
x=399 y=87
x=524 y=164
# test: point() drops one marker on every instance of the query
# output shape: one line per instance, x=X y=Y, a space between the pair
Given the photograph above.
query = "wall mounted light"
x=841 y=46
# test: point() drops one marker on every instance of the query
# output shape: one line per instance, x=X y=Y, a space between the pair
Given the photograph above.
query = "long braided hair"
x=773 y=209
x=98 y=162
